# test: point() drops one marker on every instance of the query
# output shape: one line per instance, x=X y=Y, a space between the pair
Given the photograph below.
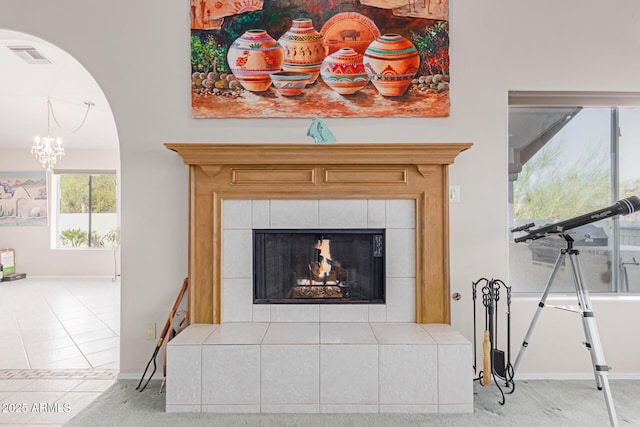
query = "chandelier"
x=48 y=150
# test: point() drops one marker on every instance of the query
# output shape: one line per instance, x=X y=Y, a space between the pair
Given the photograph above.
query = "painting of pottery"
x=329 y=58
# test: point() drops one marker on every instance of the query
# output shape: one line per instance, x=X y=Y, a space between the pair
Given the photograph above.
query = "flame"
x=325 y=253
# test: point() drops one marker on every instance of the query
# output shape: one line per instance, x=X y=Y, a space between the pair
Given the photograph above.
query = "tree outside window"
x=87 y=209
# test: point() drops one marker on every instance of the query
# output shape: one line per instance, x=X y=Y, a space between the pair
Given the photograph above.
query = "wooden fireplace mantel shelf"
x=318 y=171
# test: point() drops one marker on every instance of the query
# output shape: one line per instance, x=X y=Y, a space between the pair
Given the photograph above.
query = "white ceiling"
x=24 y=89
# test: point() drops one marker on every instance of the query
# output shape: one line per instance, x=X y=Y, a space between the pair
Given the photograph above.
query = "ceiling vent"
x=30 y=54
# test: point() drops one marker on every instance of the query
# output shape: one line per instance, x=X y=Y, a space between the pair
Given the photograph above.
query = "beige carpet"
x=534 y=403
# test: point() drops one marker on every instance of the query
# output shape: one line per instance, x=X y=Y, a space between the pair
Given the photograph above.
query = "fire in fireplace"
x=319 y=266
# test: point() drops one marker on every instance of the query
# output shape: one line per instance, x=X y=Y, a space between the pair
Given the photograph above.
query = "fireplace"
x=310 y=172
x=320 y=221
x=319 y=266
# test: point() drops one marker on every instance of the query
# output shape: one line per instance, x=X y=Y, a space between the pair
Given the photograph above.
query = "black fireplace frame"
x=379 y=267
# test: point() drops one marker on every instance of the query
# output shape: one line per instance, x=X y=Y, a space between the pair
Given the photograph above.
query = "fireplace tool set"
x=175 y=323
x=495 y=366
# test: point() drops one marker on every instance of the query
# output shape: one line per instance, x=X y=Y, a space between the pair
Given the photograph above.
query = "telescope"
x=621 y=207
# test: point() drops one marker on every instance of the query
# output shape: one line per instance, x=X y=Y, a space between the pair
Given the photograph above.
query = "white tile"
x=193 y=334
x=261 y=313
x=401 y=333
x=260 y=213
x=401 y=253
x=376 y=214
x=346 y=333
x=344 y=313
x=408 y=409
x=237 y=253
x=14 y=385
x=237 y=300
x=102 y=358
x=100 y=345
x=236 y=214
x=408 y=374
x=294 y=214
x=56 y=355
x=26 y=400
x=237 y=333
x=94 y=385
x=295 y=313
x=52 y=385
x=401 y=299
x=444 y=334
x=348 y=409
x=401 y=213
x=377 y=313
x=65 y=408
x=231 y=375
x=86 y=337
x=289 y=375
x=74 y=363
x=184 y=373
x=290 y=409
x=348 y=374
x=231 y=409
x=48 y=344
x=292 y=333
x=455 y=376
x=342 y=213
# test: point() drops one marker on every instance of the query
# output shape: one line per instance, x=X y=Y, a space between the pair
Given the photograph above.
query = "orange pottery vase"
x=343 y=71
x=304 y=48
x=253 y=57
x=392 y=62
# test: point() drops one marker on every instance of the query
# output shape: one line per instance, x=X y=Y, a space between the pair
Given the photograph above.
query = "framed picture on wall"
x=311 y=58
x=23 y=199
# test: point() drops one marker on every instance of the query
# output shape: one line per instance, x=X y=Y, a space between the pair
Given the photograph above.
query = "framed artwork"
x=319 y=58
x=23 y=199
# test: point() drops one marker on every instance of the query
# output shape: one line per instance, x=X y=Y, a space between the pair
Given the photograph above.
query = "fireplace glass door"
x=319 y=266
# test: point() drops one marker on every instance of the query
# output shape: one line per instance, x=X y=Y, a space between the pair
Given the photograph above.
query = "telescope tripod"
x=600 y=367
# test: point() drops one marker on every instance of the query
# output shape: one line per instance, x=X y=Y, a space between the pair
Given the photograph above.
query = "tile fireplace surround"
x=401 y=356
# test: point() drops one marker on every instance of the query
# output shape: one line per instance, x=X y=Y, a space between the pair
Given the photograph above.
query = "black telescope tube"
x=621 y=207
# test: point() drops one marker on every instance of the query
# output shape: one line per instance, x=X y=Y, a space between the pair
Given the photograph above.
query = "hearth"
x=319 y=266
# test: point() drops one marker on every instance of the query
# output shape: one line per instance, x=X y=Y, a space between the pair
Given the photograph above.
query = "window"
x=86 y=211
x=569 y=155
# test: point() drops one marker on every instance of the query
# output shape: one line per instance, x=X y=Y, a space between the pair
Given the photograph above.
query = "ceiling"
x=24 y=89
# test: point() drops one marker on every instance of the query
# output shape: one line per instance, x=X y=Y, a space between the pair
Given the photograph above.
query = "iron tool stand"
x=501 y=368
x=592 y=343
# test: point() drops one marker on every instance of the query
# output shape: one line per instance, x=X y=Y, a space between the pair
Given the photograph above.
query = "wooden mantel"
x=313 y=171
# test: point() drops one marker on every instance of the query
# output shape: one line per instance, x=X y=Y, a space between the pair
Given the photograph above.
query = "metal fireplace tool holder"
x=496 y=368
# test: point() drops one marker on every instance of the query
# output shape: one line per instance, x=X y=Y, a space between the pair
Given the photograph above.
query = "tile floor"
x=59 y=347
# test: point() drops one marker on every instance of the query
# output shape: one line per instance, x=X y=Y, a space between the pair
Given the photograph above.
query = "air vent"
x=30 y=54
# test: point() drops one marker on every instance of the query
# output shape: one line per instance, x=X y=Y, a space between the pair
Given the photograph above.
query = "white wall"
x=34 y=255
x=139 y=54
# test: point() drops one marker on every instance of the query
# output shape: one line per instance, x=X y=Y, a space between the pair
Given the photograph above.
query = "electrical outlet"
x=150 y=333
x=454 y=193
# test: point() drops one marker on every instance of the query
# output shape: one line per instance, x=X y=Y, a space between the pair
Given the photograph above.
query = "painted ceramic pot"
x=290 y=83
x=343 y=71
x=392 y=62
x=252 y=57
x=304 y=48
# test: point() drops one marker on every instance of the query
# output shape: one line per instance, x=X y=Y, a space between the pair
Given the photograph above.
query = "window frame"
x=55 y=205
x=614 y=101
